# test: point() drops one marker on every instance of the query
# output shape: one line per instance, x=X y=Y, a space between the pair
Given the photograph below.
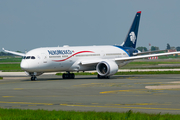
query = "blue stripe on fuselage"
x=128 y=50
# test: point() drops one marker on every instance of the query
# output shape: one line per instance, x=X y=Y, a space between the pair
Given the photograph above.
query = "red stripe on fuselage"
x=73 y=55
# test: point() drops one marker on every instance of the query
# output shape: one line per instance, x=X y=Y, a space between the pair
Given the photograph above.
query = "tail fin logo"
x=132 y=37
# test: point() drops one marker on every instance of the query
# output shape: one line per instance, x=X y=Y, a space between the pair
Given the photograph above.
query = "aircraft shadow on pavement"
x=44 y=78
x=53 y=78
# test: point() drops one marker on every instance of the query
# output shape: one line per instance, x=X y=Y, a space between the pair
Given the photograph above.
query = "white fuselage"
x=52 y=59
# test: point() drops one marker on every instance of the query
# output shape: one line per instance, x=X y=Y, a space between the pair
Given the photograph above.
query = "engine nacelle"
x=33 y=73
x=107 y=68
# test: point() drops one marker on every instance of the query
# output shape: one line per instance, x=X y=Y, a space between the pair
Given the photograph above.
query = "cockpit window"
x=32 y=57
x=28 y=57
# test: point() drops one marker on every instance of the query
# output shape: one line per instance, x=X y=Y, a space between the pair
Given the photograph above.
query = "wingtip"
x=139 y=12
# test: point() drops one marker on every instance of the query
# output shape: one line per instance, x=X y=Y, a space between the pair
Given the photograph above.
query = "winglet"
x=139 y=12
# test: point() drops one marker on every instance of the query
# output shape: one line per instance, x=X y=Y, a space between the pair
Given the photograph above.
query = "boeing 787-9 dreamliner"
x=104 y=59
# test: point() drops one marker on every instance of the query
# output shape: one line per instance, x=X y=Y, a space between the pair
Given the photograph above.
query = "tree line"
x=154 y=48
x=5 y=54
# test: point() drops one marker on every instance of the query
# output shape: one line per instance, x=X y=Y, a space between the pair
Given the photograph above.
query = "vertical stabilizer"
x=131 y=37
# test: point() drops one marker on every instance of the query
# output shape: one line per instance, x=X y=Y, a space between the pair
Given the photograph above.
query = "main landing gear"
x=102 y=77
x=33 y=78
x=68 y=75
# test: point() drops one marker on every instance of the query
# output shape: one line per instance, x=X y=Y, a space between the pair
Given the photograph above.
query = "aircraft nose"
x=24 y=65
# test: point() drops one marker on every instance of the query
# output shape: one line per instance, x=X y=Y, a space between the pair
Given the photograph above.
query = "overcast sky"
x=29 y=24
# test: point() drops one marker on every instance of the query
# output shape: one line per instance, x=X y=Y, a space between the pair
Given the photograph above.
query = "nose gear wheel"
x=33 y=78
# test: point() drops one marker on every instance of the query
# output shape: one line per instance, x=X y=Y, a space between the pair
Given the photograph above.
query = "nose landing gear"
x=33 y=75
x=33 y=78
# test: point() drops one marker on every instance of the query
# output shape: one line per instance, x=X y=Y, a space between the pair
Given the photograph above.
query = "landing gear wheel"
x=72 y=76
x=33 y=78
x=99 y=77
x=63 y=76
x=103 y=77
x=68 y=76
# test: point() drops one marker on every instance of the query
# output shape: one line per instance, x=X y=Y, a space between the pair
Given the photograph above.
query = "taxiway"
x=144 y=93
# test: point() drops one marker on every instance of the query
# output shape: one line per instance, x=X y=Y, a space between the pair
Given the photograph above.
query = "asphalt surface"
x=144 y=93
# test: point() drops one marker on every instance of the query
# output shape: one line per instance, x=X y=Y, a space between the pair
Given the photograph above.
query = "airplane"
x=106 y=60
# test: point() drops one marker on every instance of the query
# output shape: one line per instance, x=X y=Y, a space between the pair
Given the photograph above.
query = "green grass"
x=148 y=64
x=18 y=114
x=10 y=59
x=10 y=67
x=147 y=72
x=167 y=57
x=147 y=67
x=153 y=62
x=6 y=65
x=130 y=73
x=1 y=77
x=81 y=73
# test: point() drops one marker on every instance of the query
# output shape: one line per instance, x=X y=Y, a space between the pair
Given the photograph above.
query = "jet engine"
x=107 y=68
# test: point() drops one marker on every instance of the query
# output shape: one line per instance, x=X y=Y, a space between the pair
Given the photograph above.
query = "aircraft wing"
x=92 y=62
x=15 y=53
x=145 y=56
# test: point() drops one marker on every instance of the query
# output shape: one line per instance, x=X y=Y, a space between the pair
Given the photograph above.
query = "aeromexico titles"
x=106 y=60
x=57 y=52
